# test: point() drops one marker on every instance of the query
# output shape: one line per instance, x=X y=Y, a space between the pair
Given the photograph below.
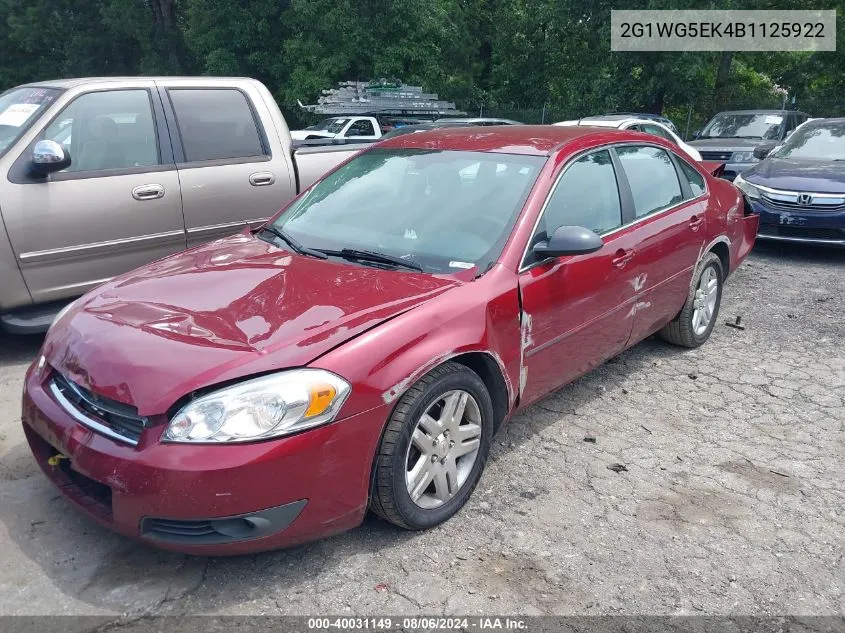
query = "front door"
x=118 y=206
x=576 y=310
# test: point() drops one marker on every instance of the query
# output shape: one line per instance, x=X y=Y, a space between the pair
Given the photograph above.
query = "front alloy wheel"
x=434 y=448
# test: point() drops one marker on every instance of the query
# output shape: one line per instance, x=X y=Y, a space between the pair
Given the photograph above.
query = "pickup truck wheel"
x=433 y=449
x=697 y=318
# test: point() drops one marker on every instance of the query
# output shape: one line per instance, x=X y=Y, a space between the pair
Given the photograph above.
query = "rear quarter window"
x=695 y=179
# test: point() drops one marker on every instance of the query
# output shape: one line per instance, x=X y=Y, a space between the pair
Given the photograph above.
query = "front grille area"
x=115 y=419
x=817 y=206
x=717 y=155
x=801 y=232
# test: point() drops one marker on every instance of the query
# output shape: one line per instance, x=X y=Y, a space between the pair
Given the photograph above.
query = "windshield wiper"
x=373 y=256
x=293 y=243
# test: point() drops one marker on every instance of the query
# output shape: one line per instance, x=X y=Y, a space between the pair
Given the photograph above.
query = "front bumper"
x=824 y=228
x=184 y=497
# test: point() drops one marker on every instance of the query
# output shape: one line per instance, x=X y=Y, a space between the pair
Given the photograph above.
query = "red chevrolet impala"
x=362 y=348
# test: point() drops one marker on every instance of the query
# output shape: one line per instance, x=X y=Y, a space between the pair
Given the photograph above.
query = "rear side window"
x=696 y=180
x=656 y=130
x=652 y=178
x=216 y=124
x=586 y=195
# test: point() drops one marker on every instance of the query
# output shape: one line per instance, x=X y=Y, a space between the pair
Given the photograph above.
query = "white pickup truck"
x=99 y=176
x=357 y=128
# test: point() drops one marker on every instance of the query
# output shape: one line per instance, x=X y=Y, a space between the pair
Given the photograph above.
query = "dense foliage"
x=525 y=58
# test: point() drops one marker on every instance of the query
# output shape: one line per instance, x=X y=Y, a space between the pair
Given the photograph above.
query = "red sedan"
x=362 y=348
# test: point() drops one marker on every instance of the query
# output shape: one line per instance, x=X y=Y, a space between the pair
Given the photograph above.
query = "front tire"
x=434 y=449
x=696 y=320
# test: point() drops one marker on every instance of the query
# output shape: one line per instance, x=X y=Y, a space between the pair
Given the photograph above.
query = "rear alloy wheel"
x=434 y=448
x=696 y=320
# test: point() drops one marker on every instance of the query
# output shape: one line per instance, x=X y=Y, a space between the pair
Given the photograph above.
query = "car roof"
x=537 y=140
x=823 y=122
x=772 y=111
x=78 y=81
x=477 y=120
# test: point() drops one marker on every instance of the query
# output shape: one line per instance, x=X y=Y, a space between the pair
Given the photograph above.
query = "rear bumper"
x=806 y=227
x=208 y=499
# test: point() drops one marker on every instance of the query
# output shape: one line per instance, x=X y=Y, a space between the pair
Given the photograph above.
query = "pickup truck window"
x=443 y=210
x=216 y=124
x=111 y=129
x=19 y=109
x=362 y=127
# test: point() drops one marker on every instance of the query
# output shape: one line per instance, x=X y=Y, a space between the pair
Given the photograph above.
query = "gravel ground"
x=733 y=501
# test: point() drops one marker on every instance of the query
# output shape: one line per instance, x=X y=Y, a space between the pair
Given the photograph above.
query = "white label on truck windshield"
x=774 y=120
x=17 y=114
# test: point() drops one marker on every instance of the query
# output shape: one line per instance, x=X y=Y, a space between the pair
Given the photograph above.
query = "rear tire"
x=694 y=323
x=434 y=449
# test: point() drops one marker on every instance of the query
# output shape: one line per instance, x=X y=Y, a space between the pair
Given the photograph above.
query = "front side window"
x=443 y=210
x=656 y=130
x=215 y=124
x=19 y=109
x=652 y=178
x=815 y=141
x=112 y=129
x=361 y=128
x=586 y=195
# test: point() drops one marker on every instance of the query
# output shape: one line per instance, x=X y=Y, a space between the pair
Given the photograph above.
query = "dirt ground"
x=733 y=502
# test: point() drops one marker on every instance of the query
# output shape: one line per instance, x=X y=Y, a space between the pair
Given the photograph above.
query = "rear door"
x=576 y=309
x=118 y=206
x=668 y=199
x=233 y=165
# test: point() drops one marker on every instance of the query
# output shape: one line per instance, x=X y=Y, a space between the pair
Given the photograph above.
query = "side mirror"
x=569 y=240
x=47 y=157
x=696 y=134
x=762 y=151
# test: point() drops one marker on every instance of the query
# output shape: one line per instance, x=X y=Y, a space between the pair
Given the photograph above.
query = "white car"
x=640 y=125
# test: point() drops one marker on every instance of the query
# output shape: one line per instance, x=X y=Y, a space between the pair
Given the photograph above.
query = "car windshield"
x=824 y=141
x=332 y=126
x=19 y=109
x=441 y=210
x=763 y=126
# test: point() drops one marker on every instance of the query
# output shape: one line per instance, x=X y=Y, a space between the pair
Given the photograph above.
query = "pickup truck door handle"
x=262 y=179
x=695 y=222
x=148 y=192
x=622 y=257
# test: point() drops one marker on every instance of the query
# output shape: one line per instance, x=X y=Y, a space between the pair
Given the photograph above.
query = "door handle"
x=695 y=222
x=262 y=178
x=148 y=192
x=622 y=257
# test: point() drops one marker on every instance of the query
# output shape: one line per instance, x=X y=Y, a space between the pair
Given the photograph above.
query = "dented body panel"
x=240 y=307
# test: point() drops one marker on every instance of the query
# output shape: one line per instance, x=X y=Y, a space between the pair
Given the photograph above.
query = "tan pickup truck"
x=99 y=176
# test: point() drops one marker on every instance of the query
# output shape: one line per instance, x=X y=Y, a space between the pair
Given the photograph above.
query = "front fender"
x=480 y=316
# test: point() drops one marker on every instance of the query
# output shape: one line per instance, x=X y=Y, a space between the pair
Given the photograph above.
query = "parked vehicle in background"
x=444 y=123
x=357 y=128
x=648 y=116
x=362 y=350
x=100 y=176
x=731 y=137
x=637 y=125
x=799 y=188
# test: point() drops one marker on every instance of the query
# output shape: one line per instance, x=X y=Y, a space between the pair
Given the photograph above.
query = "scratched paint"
x=638 y=282
x=638 y=307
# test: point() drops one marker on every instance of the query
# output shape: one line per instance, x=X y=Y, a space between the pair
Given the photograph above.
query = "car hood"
x=799 y=175
x=229 y=309
x=301 y=135
x=729 y=144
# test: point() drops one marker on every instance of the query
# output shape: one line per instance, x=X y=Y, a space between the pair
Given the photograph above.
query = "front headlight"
x=744 y=157
x=747 y=188
x=270 y=406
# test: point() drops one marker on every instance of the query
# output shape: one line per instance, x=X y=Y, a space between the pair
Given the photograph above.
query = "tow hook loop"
x=55 y=459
